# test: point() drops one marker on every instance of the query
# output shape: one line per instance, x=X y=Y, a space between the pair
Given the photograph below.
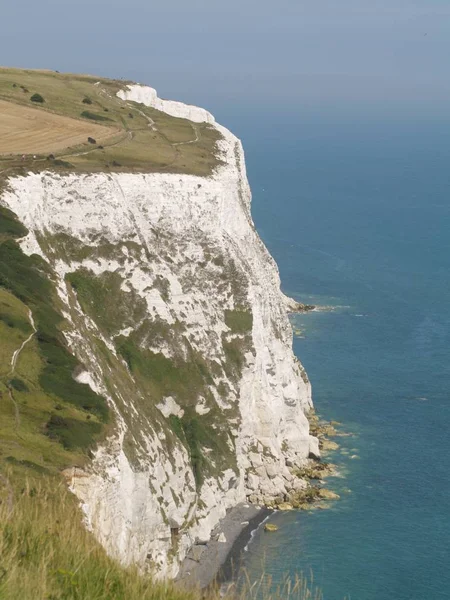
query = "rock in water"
x=328 y=494
x=285 y=506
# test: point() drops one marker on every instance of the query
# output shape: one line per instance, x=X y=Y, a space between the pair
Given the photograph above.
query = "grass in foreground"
x=47 y=554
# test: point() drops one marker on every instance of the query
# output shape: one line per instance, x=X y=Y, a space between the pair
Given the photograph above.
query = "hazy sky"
x=333 y=56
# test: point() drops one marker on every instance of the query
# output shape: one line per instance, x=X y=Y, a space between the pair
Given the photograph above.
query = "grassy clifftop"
x=80 y=123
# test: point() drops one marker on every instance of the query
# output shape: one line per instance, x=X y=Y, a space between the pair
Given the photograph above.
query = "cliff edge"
x=172 y=306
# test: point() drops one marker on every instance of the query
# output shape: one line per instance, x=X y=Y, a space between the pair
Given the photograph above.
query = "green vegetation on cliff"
x=186 y=375
x=47 y=418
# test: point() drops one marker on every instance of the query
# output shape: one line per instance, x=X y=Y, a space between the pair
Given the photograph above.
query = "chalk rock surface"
x=173 y=305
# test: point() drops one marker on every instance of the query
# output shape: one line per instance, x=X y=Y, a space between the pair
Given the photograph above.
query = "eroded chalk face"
x=173 y=306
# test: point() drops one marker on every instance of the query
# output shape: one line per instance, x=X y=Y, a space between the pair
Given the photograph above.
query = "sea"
x=357 y=216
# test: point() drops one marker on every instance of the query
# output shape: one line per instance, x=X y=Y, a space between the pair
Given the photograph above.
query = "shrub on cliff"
x=94 y=116
x=37 y=98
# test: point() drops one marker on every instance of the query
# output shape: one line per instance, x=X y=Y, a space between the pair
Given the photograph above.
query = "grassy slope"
x=138 y=147
x=47 y=419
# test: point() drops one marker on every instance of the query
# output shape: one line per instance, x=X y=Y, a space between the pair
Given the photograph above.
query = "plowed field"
x=26 y=130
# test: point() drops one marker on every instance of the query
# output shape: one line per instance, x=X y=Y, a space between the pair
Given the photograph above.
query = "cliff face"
x=173 y=307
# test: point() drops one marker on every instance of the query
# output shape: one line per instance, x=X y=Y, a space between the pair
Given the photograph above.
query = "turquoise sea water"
x=358 y=217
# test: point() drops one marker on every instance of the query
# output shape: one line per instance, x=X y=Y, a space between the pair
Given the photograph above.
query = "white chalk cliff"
x=194 y=291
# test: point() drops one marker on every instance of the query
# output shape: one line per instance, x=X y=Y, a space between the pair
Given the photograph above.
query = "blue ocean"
x=357 y=216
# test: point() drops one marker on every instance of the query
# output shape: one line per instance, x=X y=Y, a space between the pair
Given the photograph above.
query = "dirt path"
x=152 y=125
x=17 y=352
x=128 y=136
x=151 y=122
x=194 y=141
x=14 y=359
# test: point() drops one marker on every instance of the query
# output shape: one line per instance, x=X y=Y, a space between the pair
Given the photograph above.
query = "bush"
x=37 y=98
x=72 y=433
x=18 y=385
x=24 y=276
x=91 y=140
x=87 y=101
x=239 y=321
x=26 y=463
x=9 y=224
x=62 y=163
x=94 y=116
x=15 y=322
x=56 y=379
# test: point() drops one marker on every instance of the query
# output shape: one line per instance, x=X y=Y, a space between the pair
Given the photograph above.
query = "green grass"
x=10 y=227
x=14 y=329
x=12 y=321
x=164 y=376
x=69 y=248
x=46 y=417
x=73 y=433
x=185 y=376
x=239 y=321
x=133 y=146
x=198 y=433
x=86 y=114
x=47 y=553
x=184 y=380
x=234 y=350
x=238 y=341
x=57 y=379
x=95 y=293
